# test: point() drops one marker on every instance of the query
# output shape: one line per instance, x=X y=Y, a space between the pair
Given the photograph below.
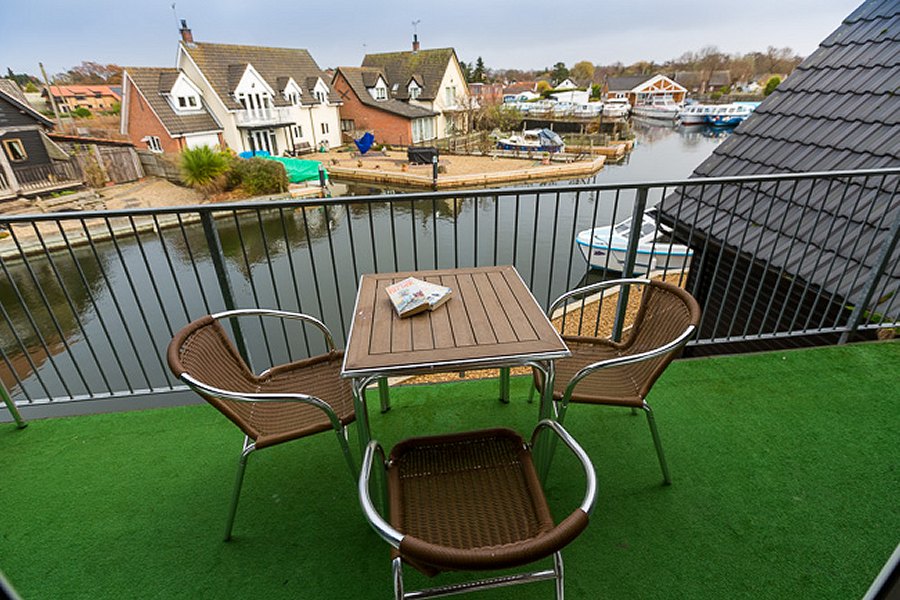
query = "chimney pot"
x=186 y=36
x=415 y=42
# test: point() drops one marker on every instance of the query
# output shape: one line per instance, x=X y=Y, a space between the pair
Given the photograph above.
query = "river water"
x=97 y=319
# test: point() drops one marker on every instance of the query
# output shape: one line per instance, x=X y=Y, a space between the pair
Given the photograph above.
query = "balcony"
x=782 y=488
x=34 y=179
x=263 y=117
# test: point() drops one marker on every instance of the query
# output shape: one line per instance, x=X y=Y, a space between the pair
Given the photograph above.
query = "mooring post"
x=434 y=171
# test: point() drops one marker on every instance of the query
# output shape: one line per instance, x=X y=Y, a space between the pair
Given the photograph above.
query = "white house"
x=272 y=99
x=431 y=79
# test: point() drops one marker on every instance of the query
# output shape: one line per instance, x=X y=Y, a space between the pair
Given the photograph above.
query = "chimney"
x=415 y=42
x=186 y=36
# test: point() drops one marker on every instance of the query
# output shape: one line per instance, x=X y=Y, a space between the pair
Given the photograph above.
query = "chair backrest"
x=666 y=311
x=203 y=350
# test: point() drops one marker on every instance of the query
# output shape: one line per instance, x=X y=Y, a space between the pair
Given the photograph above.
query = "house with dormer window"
x=431 y=80
x=272 y=99
x=368 y=105
x=164 y=111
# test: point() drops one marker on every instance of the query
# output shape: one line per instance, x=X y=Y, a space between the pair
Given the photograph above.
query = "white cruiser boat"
x=606 y=248
x=537 y=140
x=661 y=108
x=695 y=114
x=616 y=108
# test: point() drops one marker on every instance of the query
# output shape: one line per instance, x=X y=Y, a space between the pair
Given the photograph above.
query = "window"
x=450 y=95
x=297 y=131
x=182 y=102
x=325 y=128
x=414 y=92
x=347 y=125
x=422 y=129
x=153 y=144
x=15 y=150
x=380 y=93
x=192 y=101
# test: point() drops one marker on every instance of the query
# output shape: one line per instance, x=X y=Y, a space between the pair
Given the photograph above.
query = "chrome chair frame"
x=393 y=537
x=672 y=346
x=248 y=446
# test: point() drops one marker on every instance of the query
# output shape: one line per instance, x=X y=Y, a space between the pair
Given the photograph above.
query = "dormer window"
x=184 y=96
x=187 y=102
x=414 y=92
x=292 y=93
x=381 y=93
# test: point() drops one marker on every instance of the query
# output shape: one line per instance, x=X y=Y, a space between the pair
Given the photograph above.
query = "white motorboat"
x=660 y=108
x=616 y=108
x=695 y=114
x=538 y=140
x=730 y=115
x=606 y=248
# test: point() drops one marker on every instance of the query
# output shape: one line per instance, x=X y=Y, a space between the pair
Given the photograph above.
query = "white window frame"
x=297 y=131
x=325 y=128
x=153 y=144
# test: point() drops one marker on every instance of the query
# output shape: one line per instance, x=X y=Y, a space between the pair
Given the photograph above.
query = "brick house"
x=431 y=79
x=95 y=98
x=164 y=111
x=367 y=106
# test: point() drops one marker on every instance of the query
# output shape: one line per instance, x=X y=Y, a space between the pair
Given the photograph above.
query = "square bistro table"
x=491 y=321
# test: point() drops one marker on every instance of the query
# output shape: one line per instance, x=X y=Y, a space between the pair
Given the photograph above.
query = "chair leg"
x=531 y=394
x=345 y=448
x=397 y=572
x=242 y=465
x=658 y=443
x=560 y=580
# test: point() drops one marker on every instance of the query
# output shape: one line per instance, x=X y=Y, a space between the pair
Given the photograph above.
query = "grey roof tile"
x=428 y=66
x=361 y=78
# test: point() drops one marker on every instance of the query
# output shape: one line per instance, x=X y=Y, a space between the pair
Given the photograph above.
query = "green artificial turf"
x=785 y=469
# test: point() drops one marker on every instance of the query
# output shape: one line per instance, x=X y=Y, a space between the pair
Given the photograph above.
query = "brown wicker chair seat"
x=284 y=403
x=473 y=501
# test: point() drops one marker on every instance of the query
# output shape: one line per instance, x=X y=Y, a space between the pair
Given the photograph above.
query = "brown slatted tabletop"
x=491 y=320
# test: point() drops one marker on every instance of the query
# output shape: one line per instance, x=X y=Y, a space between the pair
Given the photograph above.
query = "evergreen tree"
x=478 y=72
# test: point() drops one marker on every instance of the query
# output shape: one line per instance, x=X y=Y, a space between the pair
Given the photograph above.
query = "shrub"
x=771 y=84
x=204 y=168
x=81 y=113
x=258 y=176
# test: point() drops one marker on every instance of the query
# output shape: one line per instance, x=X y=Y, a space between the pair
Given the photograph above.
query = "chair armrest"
x=221 y=394
x=594 y=287
x=381 y=527
x=265 y=312
x=627 y=360
x=590 y=495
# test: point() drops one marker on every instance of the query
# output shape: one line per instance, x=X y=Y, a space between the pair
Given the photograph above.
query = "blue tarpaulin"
x=251 y=154
x=365 y=142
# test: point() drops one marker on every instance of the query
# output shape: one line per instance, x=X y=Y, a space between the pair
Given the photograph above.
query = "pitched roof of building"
x=154 y=83
x=627 y=83
x=224 y=64
x=361 y=78
x=840 y=109
x=70 y=91
x=11 y=92
x=427 y=66
x=520 y=86
x=692 y=79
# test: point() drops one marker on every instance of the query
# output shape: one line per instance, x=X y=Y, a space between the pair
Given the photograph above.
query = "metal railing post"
x=637 y=221
x=880 y=267
x=11 y=407
x=218 y=259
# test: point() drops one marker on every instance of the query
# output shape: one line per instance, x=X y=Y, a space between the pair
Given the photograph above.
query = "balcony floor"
x=785 y=486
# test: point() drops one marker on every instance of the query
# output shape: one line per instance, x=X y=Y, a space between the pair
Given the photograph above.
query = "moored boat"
x=695 y=114
x=660 y=108
x=729 y=115
x=538 y=140
x=607 y=247
x=615 y=108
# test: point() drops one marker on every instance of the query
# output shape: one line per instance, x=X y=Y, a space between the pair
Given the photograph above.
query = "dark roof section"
x=626 y=84
x=427 y=66
x=840 y=109
x=12 y=94
x=153 y=83
x=223 y=65
x=358 y=77
x=693 y=79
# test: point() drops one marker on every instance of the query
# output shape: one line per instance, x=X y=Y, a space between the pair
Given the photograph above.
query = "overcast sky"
x=523 y=34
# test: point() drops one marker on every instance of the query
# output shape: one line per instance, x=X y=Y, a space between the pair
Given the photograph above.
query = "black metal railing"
x=90 y=300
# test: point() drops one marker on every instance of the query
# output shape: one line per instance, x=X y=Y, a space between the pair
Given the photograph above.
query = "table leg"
x=504 y=385
x=546 y=443
x=384 y=394
x=362 y=414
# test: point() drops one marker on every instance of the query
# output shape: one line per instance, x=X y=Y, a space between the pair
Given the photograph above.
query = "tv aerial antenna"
x=415 y=25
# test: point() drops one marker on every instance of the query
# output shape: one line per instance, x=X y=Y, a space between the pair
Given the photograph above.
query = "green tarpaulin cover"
x=299 y=170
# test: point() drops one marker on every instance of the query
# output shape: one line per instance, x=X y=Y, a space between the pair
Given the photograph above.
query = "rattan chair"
x=472 y=502
x=280 y=404
x=602 y=371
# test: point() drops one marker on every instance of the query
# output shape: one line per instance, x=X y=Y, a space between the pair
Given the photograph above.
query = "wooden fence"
x=100 y=164
x=158 y=165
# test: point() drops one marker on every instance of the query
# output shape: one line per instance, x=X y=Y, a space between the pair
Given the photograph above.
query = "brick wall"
x=143 y=122
x=388 y=128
